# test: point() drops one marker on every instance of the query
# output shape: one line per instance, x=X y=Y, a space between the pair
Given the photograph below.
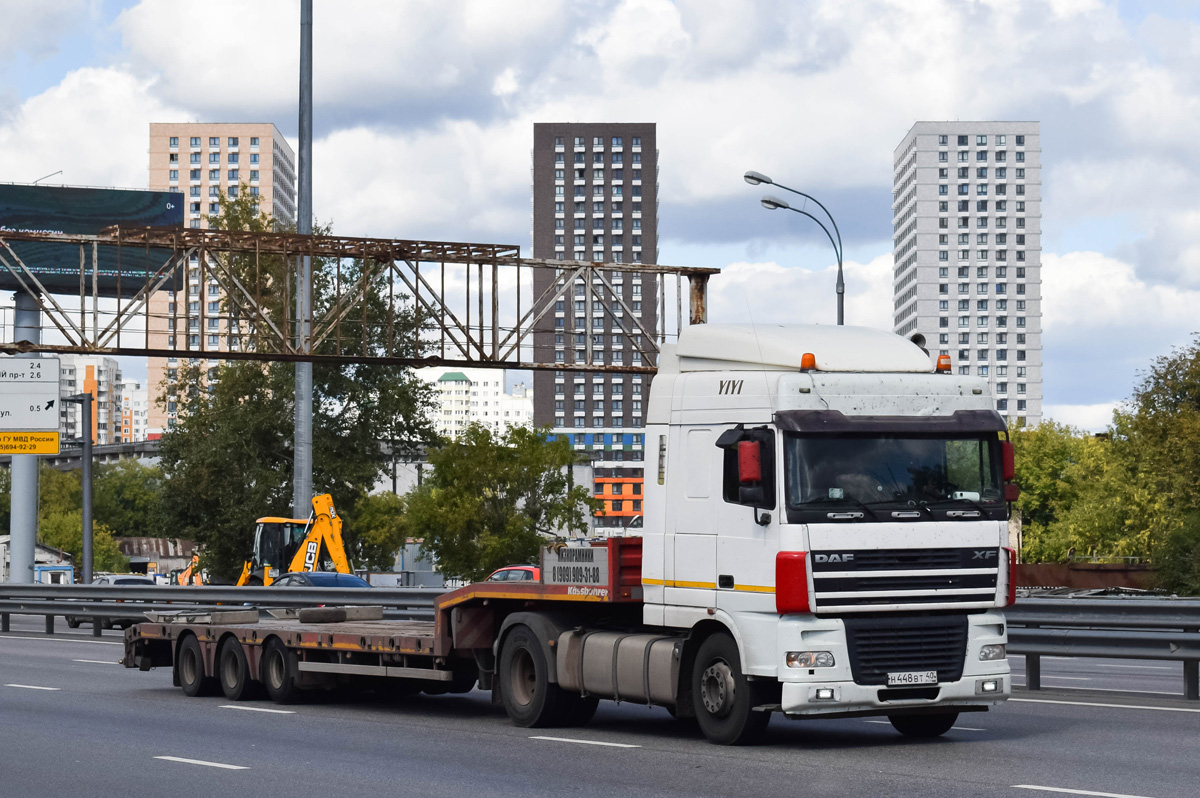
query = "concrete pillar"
x=27 y=326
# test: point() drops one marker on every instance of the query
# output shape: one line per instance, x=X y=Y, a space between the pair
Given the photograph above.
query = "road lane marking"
x=1105 y=689
x=64 y=640
x=258 y=709
x=1075 y=792
x=202 y=762
x=97 y=661
x=1095 y=704
x=585 y=742
x=32 y=687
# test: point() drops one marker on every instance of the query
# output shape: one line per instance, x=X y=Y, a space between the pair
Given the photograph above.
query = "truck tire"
x=72 y=621
x=276 y=672
x=234 y=672
x=191 y=670
x=529 y=698
x=924 y=725
x=724 y=699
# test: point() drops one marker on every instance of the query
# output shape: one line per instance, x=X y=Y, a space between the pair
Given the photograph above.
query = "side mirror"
x=749 y=455
x=1012 y=492
x=1010 y=460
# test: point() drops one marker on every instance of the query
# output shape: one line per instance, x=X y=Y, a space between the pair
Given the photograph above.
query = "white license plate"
x=912 y=677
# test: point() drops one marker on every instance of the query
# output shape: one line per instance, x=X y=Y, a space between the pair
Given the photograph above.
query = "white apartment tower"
x=476 y=396
x=967 y=214
x=206 y=161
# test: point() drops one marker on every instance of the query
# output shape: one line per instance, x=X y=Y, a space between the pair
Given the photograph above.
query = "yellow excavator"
x=283 y=545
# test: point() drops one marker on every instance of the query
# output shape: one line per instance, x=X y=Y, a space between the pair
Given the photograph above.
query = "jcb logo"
x=988 y=554
x=730 y=386
x=310 y=555
x=847 y=557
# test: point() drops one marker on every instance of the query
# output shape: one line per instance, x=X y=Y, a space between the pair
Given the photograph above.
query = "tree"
x=491 y=502
x=126 y=497
x=377 y=531
x=64 y=530
x=229 y=458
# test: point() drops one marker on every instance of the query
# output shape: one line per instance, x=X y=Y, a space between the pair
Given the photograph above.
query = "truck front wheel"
x=529 y=698
x=724 y=699
x=924 y=725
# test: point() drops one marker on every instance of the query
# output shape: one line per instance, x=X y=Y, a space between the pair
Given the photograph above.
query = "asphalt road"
x=74 y=723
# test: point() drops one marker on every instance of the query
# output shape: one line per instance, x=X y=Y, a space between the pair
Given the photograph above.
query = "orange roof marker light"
x=943 y=364
x=808 y=362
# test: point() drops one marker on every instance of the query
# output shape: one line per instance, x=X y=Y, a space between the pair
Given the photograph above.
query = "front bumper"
x=849 y=699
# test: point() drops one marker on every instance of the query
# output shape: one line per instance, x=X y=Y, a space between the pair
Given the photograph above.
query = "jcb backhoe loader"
x=282 y=545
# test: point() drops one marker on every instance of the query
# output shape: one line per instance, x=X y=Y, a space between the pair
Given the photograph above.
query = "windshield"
x=277 y=542
x=930 y=477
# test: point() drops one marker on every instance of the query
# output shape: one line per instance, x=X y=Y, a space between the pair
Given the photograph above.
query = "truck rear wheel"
x=924 y=725
x=276 y=672
x=724 y=699
x=233 y=671
x=191 y=669
x=529 y=698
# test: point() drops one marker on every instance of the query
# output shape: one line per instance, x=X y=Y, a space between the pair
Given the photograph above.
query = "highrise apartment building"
x=476 y=396
x=135 y=406
x=101 y=377
x=967 y=213
x=207 y=161
x=595 y=198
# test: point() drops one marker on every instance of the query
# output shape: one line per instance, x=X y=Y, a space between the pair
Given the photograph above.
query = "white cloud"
x=1093 y=418
x=94 y=126
x=36 y=28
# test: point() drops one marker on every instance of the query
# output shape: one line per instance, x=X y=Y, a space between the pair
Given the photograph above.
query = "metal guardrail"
x=1121 y=627
x=101 y=604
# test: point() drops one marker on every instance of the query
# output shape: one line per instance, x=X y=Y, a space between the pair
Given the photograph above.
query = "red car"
x=516 y=573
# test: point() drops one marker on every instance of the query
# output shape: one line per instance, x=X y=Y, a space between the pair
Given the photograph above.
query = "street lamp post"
x=85 y=400
x=772 y=203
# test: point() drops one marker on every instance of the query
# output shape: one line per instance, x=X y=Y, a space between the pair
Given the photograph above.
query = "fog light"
x=824 y=694
x=985 y=686
x=992 y=652
x=810 y=659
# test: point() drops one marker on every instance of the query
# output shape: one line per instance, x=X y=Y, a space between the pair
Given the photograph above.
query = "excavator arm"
x=324 y=530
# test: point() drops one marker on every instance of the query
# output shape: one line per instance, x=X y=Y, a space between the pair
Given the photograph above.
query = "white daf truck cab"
x=829 y=512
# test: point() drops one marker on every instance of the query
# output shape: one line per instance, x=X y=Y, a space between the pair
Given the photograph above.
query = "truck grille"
x=879 y=646
x=859 y=581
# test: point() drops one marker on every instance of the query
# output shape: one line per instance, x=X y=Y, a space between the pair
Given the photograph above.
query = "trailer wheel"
x=72 y=621
x=529 y=698
x=924 y=725
x=191 y=669
x=724 y=699
x=278 y=665
x=233 y=671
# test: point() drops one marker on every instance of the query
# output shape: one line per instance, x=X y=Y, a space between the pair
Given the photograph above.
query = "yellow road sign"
x=29 y=443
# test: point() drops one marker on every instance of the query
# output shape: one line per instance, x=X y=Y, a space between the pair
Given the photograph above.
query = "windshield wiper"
x=979 y=508
x=843 y=500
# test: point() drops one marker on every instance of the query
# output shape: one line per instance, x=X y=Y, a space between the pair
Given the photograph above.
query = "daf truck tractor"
x=825 y=532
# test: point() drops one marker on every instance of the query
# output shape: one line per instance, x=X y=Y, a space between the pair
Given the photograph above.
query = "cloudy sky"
x=424 y=114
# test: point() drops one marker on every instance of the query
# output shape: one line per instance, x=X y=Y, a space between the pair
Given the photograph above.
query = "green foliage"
x=492 y=502
x=64 y=530
x=126 y=497
x=1177 y=564
x=229 y=458
x=5 y=499
x=377 y=531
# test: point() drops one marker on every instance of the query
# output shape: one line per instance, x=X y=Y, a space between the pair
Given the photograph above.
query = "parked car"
x=516 y=573
x=124 y=580
x=319 y=579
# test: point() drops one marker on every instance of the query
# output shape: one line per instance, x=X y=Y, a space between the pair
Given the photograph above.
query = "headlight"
x=810 y=659
x=992 y=652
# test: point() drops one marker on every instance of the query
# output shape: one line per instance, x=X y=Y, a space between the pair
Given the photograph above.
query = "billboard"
x=86 y=211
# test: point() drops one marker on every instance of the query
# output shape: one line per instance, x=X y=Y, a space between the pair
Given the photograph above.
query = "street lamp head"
x=754 y=178
x=772 y=203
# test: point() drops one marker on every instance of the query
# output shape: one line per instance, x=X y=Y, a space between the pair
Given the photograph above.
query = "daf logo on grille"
x=847 y=557
x=987 y=554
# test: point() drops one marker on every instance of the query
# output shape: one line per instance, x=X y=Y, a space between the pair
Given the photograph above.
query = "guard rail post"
x=1191 y=675
x=49 y=624
x=1033 y=667
x=95 y=626
x=4 y=622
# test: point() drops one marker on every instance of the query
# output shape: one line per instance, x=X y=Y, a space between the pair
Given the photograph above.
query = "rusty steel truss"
x=220 y=295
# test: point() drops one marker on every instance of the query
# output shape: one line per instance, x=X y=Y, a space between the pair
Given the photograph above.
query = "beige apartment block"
x=205 y=161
